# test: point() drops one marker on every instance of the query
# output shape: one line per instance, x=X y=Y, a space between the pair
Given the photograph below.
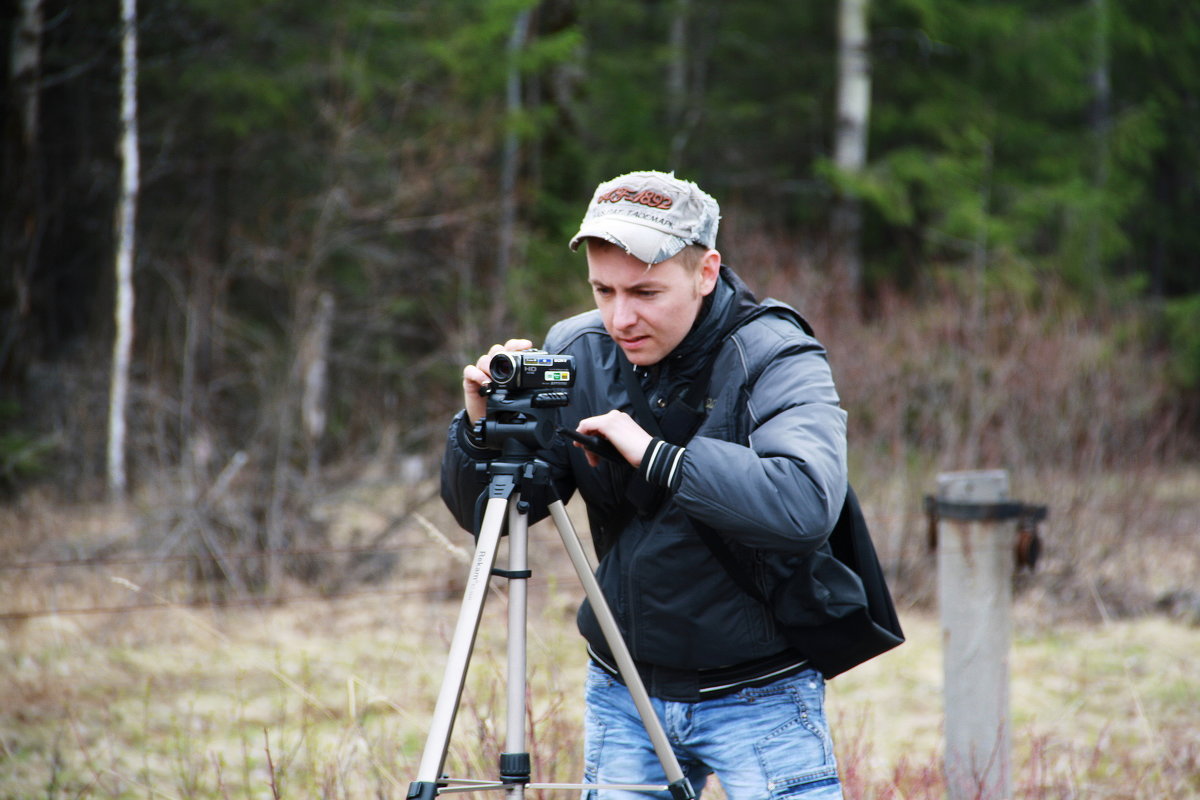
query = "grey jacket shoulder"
x=566 y=332
x=776 y=330
x=774 y=318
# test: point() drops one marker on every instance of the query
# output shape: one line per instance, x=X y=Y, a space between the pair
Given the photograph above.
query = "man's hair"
x=690 y=256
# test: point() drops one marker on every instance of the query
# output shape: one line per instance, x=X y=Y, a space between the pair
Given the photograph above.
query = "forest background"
x=342 y=203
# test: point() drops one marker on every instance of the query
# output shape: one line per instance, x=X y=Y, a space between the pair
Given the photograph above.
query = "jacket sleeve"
x=462 y=481
x=783 y=488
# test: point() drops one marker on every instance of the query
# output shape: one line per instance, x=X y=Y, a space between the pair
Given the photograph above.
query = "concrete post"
x=975 y=569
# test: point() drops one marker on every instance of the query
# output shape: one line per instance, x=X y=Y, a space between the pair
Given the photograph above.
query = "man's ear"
x=710 y=270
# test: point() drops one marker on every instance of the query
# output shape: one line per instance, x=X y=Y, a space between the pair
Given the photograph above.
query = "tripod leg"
x=514 y=761
x=680 y=787
x=434 y=756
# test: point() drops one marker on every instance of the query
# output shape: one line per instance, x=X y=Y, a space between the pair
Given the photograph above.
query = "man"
x=759 y=457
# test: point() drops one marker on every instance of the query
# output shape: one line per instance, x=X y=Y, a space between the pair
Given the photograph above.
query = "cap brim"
x=643 y=243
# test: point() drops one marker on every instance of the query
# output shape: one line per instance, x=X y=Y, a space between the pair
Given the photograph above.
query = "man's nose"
x=624 y=312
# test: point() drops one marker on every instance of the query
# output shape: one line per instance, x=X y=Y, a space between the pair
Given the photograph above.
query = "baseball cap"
x=652 y=215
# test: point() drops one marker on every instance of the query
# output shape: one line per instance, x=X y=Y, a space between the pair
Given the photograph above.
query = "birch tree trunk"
x=690 y=48
x=125 y=230
x=853 y=115
x=314 y=378
x=677 y=82
x=27 y=67
x=509 y=169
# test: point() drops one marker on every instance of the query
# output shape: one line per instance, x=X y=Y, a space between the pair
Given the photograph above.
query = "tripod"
x=517 y=471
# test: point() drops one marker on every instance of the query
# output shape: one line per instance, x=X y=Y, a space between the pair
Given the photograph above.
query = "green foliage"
x=986 y=132
x=745 y=125
x=297 y=148
x=551 y=282
x=1183 y=335
x=979 y=145
x=1157 y=76
x=25 y=454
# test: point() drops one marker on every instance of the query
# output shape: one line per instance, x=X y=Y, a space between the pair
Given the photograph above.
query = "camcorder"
x=532 y=370
x=526 y=387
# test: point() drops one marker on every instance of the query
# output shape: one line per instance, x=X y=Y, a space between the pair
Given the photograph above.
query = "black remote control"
x=597 y=444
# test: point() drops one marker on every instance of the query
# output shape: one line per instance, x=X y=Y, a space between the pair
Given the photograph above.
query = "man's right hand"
x=477 y=375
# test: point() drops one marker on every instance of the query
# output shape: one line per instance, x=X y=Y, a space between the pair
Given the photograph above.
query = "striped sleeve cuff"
x=662 y=464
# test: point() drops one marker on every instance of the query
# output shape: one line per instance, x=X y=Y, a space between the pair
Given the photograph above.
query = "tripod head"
x=519 y=422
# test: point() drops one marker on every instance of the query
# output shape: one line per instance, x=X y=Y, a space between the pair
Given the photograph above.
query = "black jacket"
x=766 y=469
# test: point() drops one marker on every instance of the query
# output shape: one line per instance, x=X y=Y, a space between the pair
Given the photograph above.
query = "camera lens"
x=503 y=368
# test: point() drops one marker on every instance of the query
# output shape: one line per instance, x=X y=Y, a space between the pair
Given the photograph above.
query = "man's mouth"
x=632 y=342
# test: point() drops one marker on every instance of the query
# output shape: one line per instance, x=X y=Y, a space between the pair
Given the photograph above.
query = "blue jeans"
x=764 y=742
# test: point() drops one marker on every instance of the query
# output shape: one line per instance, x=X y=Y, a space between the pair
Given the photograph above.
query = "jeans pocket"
x=796 y=759
x=797 y=756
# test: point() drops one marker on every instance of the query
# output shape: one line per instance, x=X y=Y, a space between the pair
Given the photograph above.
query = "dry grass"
x=1097 y=711
x=331 y=698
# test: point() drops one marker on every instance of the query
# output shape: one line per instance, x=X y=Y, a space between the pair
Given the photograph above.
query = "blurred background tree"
x=405 y=176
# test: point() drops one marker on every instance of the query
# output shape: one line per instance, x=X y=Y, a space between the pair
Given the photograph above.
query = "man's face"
x=648 y=312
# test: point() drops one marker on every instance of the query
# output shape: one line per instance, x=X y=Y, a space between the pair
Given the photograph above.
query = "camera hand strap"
x=641 y=407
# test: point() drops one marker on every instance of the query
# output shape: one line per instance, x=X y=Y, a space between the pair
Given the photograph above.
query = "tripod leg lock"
x=515 y=767
x=513 y=574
